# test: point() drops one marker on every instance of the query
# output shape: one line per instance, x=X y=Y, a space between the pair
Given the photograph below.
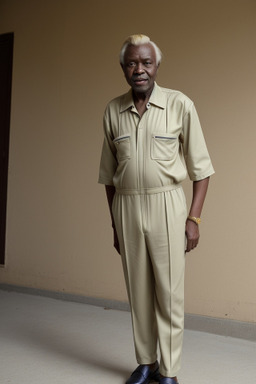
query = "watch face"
x=196 y=220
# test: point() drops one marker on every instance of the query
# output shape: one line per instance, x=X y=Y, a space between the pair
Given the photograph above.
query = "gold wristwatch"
x=196 y=220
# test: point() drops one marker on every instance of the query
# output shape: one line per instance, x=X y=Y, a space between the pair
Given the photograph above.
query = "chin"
x=141 y=89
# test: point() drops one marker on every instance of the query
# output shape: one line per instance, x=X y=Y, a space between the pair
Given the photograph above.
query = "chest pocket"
x=123 y=147
x=163 y=146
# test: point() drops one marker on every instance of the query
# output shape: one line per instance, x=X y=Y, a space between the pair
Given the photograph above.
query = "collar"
x=157 y=98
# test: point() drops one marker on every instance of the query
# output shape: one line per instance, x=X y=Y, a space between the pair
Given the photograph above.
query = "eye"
x=131 y=64
x=148 y=63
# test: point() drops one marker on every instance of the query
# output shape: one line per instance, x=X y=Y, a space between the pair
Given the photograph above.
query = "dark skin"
x=140 y=69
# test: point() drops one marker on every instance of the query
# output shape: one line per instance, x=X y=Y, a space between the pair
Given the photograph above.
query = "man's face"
x=140 y=68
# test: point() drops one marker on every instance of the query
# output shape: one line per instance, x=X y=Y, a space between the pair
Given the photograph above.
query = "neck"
x=140 y=102
x=141 y=97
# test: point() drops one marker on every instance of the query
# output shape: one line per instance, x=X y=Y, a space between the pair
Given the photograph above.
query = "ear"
x=122 y=66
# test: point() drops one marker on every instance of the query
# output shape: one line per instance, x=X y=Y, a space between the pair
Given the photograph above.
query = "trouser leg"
x=138 y=276
x=151 y=231
x=166 y=245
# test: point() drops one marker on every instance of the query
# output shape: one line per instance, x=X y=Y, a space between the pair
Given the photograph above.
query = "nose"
x=139 y=68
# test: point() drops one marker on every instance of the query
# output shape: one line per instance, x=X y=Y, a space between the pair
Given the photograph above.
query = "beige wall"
x=65 y=70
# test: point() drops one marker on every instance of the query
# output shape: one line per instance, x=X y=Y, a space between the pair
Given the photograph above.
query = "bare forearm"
x=199 y=192
x=192 y=230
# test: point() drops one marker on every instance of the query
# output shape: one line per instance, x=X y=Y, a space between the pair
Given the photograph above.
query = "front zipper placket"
x=141 y=149
x=137 y=122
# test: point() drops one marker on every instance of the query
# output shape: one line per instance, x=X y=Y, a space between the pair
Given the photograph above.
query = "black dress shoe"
x=143 y=375
x=168 y=380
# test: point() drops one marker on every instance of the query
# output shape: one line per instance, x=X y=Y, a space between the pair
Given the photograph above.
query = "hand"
x=192 y=233
x=116 y=242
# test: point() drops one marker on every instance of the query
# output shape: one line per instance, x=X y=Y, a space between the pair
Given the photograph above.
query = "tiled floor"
x=47 y=341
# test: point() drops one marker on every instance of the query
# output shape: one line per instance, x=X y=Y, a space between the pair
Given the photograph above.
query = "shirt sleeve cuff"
x=105 y=181
x=202 y=176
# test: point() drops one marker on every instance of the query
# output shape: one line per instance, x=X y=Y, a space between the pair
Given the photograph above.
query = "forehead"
x=140 y=52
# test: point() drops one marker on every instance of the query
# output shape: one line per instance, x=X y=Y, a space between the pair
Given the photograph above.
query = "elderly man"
x=152 y=139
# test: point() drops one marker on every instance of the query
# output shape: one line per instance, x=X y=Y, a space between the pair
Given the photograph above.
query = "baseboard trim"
x=218 y=326
x=222 y=327
x=98 y=302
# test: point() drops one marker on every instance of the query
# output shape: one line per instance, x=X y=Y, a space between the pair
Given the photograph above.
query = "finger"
x=191 y=245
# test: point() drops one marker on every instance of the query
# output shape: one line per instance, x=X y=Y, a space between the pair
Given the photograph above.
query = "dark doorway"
x=6 y=57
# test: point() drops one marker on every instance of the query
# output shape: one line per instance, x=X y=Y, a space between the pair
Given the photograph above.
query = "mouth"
x=140 y=81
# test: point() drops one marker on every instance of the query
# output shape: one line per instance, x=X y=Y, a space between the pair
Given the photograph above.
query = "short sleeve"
x=198 y=162
x=108 y=163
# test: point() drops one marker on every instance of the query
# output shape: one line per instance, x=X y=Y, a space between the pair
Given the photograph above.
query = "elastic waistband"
x=147 y=191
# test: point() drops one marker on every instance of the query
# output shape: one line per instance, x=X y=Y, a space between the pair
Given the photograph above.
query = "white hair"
x=139 y=40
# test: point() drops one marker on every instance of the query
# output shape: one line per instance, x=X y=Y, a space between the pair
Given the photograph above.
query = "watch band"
x=196 y=220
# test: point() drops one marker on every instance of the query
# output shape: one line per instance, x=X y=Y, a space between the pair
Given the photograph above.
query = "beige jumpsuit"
x=146 y=158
